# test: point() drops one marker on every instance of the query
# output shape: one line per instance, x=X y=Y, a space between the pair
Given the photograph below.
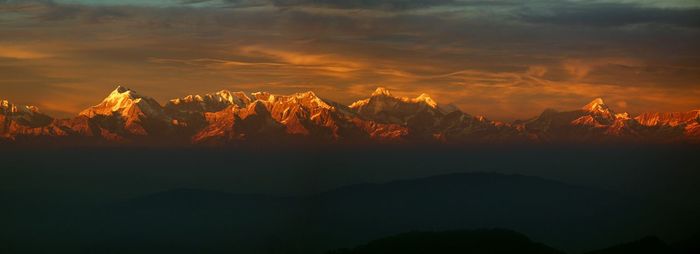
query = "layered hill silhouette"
x=566 y=217
x=493 y=241
x=224 y=117
x=646 y=245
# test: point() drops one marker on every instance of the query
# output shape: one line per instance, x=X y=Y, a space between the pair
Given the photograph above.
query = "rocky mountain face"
x=225 y=117
x=596 y=121
x=24 y=120
x=301 y=115
x=682 y=125
x=425 y=119
x=126 y=113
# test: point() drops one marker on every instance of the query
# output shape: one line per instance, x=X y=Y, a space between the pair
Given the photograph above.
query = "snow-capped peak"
x=122 y=101
x=597 y=105
x=121 y=92
x=121 y=89
x=381 y=94
x=217 y=101
x=623 y=116
x=314 y=99
x=423 y=97
x=309 y=94
x=263 y=96
x=306 y=97
x=359 y=104
x=237 y=98
x=381 y=91
x=121 y=98
x=7 y=107
x=427 y=100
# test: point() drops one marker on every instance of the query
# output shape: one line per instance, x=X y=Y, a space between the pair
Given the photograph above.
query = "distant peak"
x=424 y=96
x=384 y=93
x=224 y=91
x=8 y=107
x=381 y=91
x=264 y=96
x=624 y=116
x=596 y=105
x=306 y=94
x=427 y=100
x=122 y=100
x=121 y=89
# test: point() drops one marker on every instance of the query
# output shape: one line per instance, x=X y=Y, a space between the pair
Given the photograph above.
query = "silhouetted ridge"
x=690 y=245
x=492 y=241
x=187 y=199
x=562 y=215
x=646 y=245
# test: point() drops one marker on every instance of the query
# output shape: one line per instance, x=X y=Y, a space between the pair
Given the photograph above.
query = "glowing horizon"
x=505 y=60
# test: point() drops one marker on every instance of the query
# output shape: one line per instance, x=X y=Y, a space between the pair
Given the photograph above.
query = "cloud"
x=482 y=55
x=621 y=104
x=537 y=70
x=580 y=68
x=19 y=52
x=597 y=14
x=365 y=4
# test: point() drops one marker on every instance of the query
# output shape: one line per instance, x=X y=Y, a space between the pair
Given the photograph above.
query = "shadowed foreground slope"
x=566 y=217
x=496 y=241
x=647 y=245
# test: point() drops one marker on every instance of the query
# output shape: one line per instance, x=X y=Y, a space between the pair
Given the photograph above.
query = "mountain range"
x=493 y=241
x=224 y=117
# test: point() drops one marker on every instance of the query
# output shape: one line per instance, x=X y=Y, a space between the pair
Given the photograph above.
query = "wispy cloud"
x=613 y=14
x=580 y=68
x=503 y=59
x=19 y=52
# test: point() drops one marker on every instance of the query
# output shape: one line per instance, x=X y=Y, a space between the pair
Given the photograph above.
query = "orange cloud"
x=301 y=58
x=537 y=70
x=580 y=68
x=22 y=53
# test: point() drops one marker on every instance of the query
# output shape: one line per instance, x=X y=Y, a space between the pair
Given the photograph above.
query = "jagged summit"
x=237 y=98
x=600 y=111
x=211 y=102
x=423 y=97
x=383 y=107
x=121 y=89
x=267 y=96
x=225 y=116
x=309 y=94
x=7 y=107
x=597 y=105
x=21 y=119
x=623 y=116
x=427 y=100
x=691 y=118
x=307 y=98
x=125 y=102
x=381 y=91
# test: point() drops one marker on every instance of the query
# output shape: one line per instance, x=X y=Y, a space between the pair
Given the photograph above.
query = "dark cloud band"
x=607 y=15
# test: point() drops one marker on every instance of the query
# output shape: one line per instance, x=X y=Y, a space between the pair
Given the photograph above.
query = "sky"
x=507 y=60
